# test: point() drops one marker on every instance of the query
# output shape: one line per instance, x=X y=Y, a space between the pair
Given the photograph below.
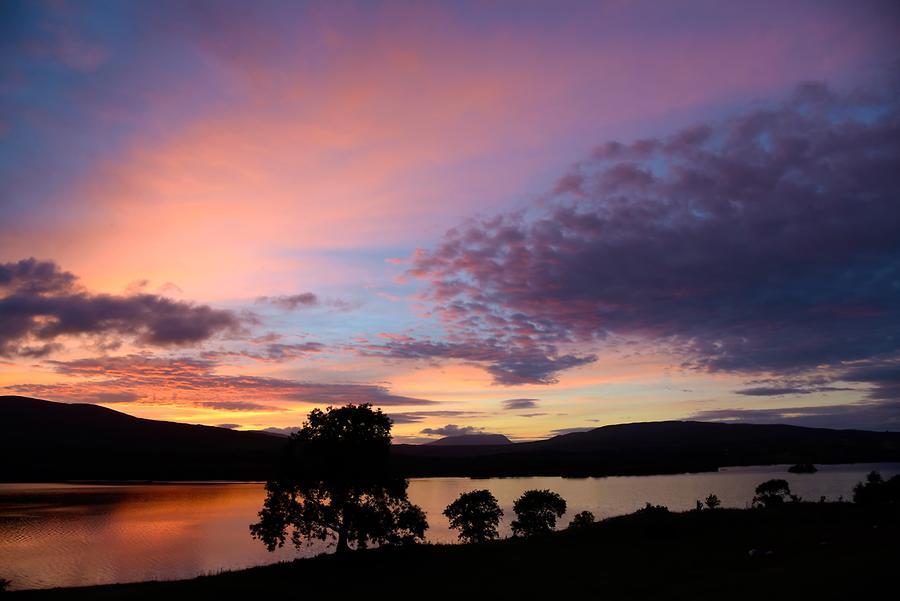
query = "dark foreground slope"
x=43 y=440
x=802 y=551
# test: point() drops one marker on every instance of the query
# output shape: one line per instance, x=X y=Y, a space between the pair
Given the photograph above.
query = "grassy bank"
x=802 y=550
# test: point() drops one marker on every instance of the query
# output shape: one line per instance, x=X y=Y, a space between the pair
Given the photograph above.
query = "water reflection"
x=72 y=534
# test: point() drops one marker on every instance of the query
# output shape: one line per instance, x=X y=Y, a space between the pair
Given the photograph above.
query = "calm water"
x=73 y=534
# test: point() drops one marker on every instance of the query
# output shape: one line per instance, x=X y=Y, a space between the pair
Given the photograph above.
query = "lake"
x=81 y=534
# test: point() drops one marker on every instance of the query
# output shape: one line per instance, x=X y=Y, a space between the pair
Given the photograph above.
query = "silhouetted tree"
x=4 y=584
x=772 y=493
x=712 y=501
x=476 y=515
x=537 y=512
x=337 y=484
x=582 y=519
x=875 y=491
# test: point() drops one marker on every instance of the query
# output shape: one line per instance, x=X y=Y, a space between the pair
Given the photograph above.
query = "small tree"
x=537 y=512
x=772 y=493
x=712 y=501
x=476 y=515
x=582 y=519
x=337 y=485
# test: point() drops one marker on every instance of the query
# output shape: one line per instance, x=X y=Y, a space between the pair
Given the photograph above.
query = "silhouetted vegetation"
x=582 y=519
x=803 y=468
x=537 y=512
x=876 y=492
x=712 y=501
x=4 y=584
x=476 y=515
x=651 y=509
x=773 y=493
x=337 y=484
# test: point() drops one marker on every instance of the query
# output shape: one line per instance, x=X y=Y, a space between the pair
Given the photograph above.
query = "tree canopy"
x=537 y=512
x=476 y=515
x=772 y=493
x=336 y=484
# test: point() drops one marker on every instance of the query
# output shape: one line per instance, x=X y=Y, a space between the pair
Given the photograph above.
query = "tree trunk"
x=342 y=546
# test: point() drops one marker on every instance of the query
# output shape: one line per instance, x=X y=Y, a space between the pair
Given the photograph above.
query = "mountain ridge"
x=63 y=441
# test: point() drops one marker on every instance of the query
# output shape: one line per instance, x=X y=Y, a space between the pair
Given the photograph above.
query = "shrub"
x=582 y=519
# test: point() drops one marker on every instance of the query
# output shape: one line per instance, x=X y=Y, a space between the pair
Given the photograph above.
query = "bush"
x=651 y=509
x=582 y=519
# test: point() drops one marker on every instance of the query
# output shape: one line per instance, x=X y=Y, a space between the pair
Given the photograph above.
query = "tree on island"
x=537 y=512
x=337 y=485
x=773 y=493
x=803 y=468
x=712 y=501
x=476 y=515
x=582 y=519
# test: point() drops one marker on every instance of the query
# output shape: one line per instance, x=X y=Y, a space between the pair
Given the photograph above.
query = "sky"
x=524 y=218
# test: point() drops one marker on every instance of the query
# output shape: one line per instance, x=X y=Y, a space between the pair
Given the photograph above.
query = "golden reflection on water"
x=76 y=534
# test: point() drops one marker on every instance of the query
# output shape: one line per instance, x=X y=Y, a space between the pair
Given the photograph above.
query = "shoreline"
x=636 y=474
x=804 y=544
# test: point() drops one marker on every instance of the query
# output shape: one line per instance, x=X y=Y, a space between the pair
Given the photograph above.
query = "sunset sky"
x=513 y=217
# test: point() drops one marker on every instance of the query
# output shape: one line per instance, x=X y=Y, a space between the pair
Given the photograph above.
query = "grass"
x=799 y=551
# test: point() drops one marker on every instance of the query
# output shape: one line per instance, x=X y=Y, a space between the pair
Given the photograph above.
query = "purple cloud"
x=192 y=380
x=40 y=303
x=524 y=363
x=451 y=430
x=871 y=415
x=514 y=404
x=763 y=243
x=236 y=406
x=290 y=302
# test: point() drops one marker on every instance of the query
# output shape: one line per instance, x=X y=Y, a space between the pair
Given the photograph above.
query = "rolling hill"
x=44 y=440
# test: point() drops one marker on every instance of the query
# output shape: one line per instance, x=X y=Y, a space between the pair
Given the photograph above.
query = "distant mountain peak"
x=471 y=440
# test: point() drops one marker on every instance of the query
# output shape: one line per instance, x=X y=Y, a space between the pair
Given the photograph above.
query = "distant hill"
x=652 y=448
x=471 y=440
x=43 y=440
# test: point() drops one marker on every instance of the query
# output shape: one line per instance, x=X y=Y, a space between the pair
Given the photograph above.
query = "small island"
x=803 y=468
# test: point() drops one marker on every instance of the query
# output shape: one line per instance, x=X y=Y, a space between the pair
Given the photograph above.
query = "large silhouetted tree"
x=338 y=485
x=476 y=515
x=537 y=512
x=772 y=493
